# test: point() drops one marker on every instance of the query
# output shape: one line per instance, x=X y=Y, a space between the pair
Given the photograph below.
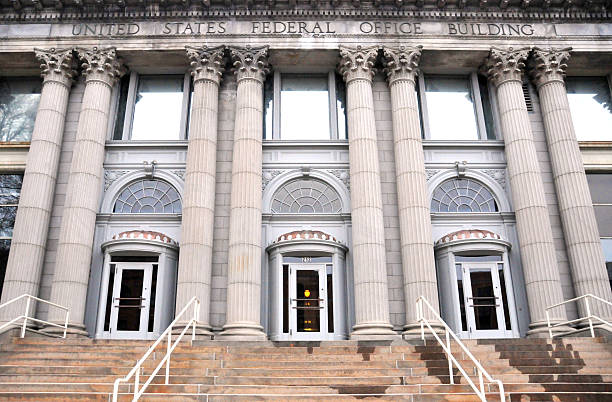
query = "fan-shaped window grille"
x=147 y=197
x=463 y=195
x=306 y=196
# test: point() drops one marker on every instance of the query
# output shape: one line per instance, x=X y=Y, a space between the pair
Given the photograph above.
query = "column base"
x=412 y=331
x=540 y=329
x=203 y=331
x=74 y=330
x=242 y=332
x=374 y=332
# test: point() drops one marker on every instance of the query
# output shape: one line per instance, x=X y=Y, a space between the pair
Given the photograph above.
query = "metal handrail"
x=480 y=391
x=589 y=316
x=26 y=316
x=135 y=372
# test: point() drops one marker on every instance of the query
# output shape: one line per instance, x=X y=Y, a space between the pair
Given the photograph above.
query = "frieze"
x=305 y=28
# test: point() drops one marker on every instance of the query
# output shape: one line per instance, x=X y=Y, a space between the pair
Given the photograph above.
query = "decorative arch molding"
x=113 y=191
x=326 y=177
x=503 y=202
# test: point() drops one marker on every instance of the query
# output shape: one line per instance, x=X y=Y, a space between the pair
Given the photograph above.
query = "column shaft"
x=587 y=262
x=243 y=319
x=368 y=241
x=532 y=221
x=71 y=274
x=24 y=267
x=418 y=261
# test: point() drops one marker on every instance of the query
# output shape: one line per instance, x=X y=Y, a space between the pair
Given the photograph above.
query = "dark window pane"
x=461 y=297
x=307 y=297
x=124 y=86
x=133 y=258
x=285 y=299
x=128 y=316
x=502 y=284
x=5 y=246
x=330 y=301
x=19 y=99
x=486 y=107
x=483 y=299
x=268 y=107
x=109 y=297
x=341 y=107
x=153 y=294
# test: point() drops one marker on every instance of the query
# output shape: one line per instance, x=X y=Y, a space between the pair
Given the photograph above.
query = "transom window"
x=306 y=196
x=304 y=107
x=591 y=107
x=153 y=107
x=456 y=108
x=18 y=105
x=148 y=196
x=463 y=195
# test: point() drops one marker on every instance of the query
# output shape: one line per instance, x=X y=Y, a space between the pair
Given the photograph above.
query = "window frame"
x=477 y=102
x=276 y=106
x=130 y=107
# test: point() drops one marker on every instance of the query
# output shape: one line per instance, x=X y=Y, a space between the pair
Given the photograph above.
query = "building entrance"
x=310 y=301
x=484 y=305
x=131 y=310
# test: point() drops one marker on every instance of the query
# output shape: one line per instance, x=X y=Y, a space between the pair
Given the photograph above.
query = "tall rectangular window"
x=456 y=108
x=153 y=108
x=591 y=107
x=19 y=99
x=600 y=185
x=304 y=107
x=10 y=190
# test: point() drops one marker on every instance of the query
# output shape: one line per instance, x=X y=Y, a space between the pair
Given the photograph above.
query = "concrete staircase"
x=42 y=369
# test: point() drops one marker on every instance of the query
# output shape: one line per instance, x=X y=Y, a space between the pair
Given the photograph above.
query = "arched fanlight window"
x=306 y=196
x=148 y=196
x=463 y=195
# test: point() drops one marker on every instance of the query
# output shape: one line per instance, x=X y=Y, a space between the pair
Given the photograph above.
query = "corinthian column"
x=244 y=260
x=587 y=262
x=194 y=273
x=414 y=215
x=368 y=243
x=505 y=70
x=101 y=69
x=27 y=252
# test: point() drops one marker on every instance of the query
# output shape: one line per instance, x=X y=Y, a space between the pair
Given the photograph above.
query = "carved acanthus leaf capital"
x=57 y=64
x=548 y=65
x=206 y=62
x=402 y=62
x=505 y=65
x=101 y=64
x=357 y=62
x=250 y=62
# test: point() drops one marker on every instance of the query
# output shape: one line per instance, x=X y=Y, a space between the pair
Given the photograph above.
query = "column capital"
x=57 y=65
x=357 y=62
x=505 y=65
x=101 y=64
x=250 y=62
x=547 y=65
x=401 y=63
x=206 y=63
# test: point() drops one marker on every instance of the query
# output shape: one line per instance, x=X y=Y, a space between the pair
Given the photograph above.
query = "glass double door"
x=309 y=304
x=131 y=308
x=484 y=303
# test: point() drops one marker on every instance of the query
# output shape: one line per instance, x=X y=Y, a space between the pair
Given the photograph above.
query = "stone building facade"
x=307 y=170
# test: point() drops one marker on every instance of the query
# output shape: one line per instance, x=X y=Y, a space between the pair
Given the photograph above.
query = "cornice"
x=597 y=11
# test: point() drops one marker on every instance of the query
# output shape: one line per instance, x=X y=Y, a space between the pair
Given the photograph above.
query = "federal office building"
x=306 y=169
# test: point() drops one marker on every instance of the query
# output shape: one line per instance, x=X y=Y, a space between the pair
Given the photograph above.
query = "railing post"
x=168 y=358
x=588 y=309
x=66 y=323
x=448 y=356
x=548 y=321
x=25 y=317
x=481 y=383
x=136 y=382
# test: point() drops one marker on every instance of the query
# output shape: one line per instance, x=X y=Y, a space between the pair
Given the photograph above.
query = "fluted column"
x=195 y=260
x=368 y=243
x=414 y=214
x=24 y=267
x=505 y=70
x=244 y=255
x=101 y=68
x=587 y=262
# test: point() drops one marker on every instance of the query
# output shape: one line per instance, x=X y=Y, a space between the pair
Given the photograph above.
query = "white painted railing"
x=446 y=346
x=26 y=316
x=167 y=334
x=589 y=315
